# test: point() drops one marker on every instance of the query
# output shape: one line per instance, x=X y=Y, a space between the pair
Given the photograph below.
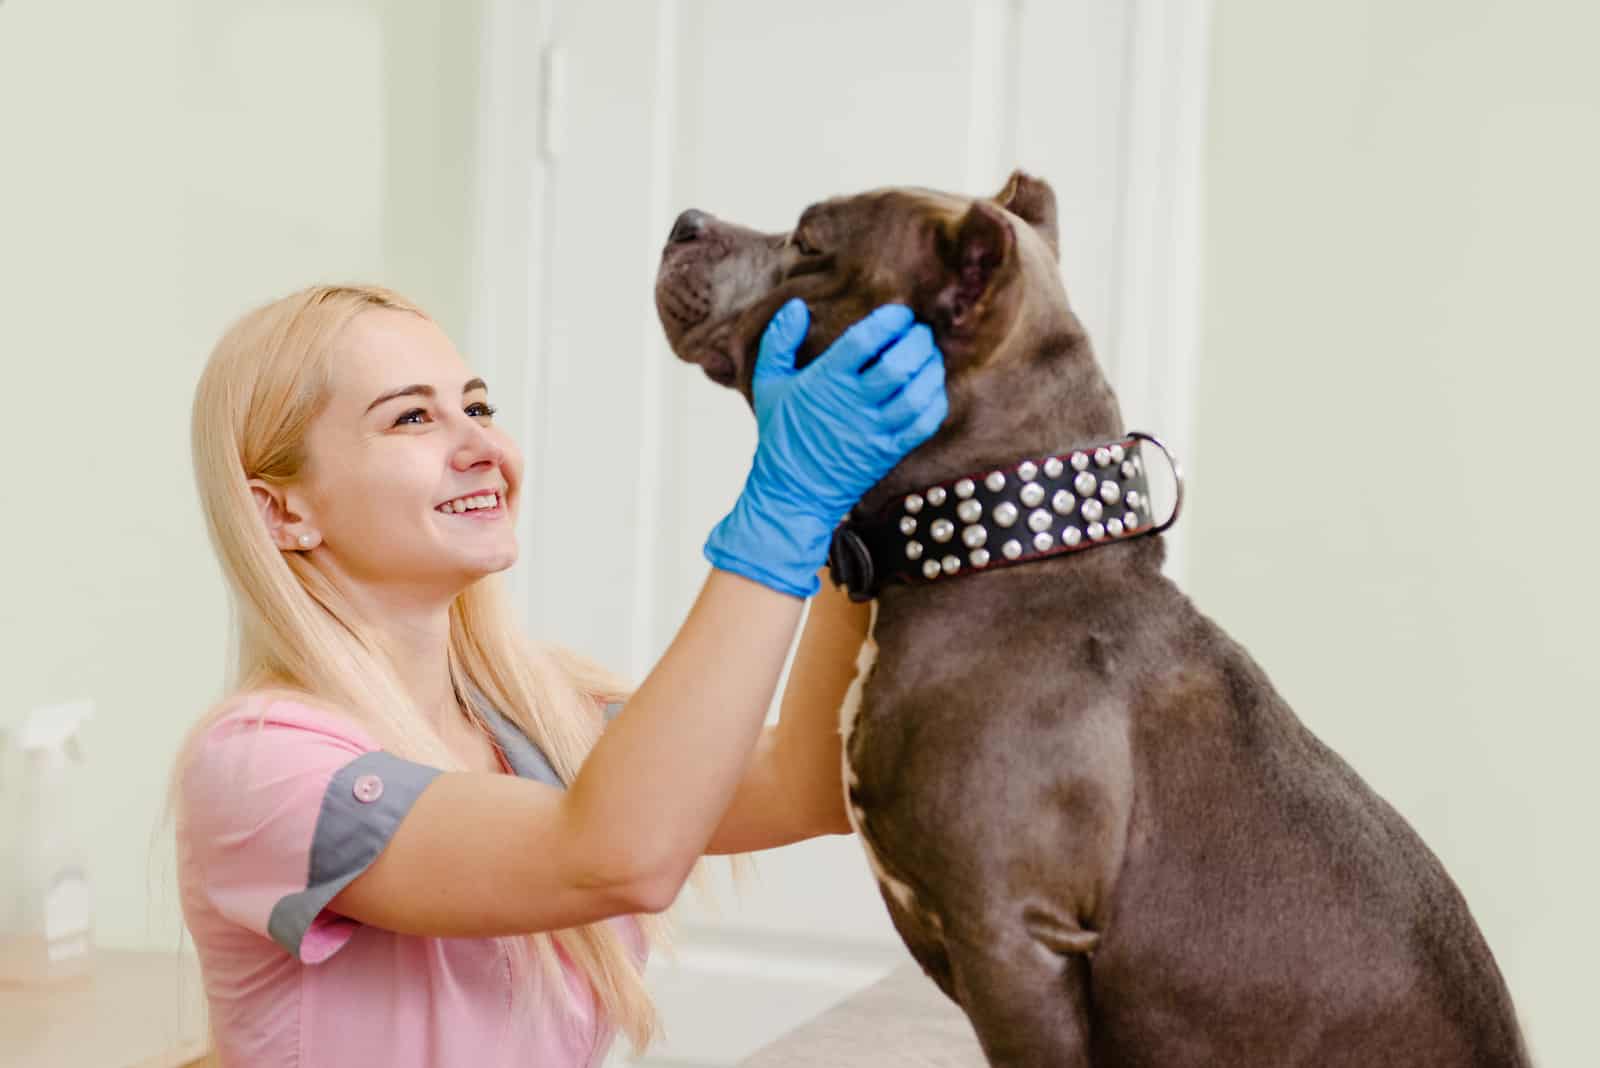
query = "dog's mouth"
x=684 y=302
x=709 y=343
x=713 y=291
x=719 y=367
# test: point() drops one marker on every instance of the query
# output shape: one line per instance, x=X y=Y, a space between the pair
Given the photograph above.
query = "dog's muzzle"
x=1031 y=510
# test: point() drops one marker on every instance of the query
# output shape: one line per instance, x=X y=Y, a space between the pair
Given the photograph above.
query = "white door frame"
x=1157 y=324
x=508 y=218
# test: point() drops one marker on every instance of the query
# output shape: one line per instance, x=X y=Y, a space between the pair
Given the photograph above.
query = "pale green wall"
x=1392 y=506
x=165 y=166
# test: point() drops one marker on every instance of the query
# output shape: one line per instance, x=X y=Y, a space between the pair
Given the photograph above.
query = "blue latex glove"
x=825 y=435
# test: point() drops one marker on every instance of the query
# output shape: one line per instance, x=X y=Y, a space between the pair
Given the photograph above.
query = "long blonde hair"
x=263 y=385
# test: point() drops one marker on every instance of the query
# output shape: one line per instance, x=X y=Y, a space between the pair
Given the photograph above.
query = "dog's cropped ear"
x=980 y=246
x=1033 y=201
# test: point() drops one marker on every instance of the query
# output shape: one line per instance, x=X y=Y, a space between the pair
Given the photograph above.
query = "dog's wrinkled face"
x=952 y=260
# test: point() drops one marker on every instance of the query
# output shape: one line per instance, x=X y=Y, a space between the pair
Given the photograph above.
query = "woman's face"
x=402 y=459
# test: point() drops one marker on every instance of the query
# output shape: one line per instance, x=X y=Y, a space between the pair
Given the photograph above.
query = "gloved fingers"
x=782 y=337
x=863 y=340
x=905 y=405
x=901 y=362
x=931 y=414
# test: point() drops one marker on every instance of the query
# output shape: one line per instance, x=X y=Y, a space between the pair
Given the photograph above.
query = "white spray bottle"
x=45 y=904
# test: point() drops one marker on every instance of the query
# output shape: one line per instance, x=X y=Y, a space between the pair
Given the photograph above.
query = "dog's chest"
x=849 y=715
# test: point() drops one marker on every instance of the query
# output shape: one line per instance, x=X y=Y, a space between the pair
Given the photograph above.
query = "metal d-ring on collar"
x=1029 y=510
x=1177 y=477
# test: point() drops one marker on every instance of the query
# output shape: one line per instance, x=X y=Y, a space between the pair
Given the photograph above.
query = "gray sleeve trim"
x=525 y=758
x=349 y=835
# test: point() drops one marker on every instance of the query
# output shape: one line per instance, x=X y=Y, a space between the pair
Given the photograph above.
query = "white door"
x=751 y=110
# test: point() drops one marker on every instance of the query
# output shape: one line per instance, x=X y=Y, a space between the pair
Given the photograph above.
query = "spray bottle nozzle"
x=55 y=727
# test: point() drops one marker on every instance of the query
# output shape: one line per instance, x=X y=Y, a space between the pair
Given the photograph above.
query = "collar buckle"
x=850 y=563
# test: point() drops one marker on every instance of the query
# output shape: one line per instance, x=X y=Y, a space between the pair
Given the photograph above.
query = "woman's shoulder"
x=278 y=722
x=265 y=740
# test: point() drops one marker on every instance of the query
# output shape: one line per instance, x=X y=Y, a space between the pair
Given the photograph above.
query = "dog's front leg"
x=1026 y=991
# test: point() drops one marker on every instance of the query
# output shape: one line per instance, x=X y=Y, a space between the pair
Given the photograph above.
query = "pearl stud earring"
x=305 y=541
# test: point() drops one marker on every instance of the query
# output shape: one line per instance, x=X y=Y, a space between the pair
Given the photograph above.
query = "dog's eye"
x=804 y=247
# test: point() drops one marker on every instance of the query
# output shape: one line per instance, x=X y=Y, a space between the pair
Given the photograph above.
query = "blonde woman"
x=409 y=836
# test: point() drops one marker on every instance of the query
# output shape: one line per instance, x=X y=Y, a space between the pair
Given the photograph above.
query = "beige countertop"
x=901 y=1021
x=137 y=1010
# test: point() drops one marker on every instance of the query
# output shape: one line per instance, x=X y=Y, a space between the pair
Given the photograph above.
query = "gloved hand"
x=825 y=435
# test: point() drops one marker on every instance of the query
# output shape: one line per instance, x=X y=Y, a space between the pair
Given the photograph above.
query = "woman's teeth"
x=468 y=504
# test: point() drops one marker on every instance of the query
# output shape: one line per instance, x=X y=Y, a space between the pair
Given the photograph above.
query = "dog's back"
x=1265 y=881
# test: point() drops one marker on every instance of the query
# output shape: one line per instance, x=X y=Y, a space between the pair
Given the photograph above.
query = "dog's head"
x=982 y=272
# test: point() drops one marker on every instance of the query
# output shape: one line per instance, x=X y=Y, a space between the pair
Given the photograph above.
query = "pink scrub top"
x=271 y=826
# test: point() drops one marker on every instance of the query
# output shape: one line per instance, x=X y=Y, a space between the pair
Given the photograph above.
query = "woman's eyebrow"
x=424 y=391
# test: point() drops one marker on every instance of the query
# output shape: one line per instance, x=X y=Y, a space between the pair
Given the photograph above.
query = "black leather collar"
x=1032 y=509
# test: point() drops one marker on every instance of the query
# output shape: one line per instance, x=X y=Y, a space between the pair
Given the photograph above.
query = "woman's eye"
x=477 y=409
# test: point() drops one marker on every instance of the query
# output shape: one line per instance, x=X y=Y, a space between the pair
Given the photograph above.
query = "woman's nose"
x=478 y=447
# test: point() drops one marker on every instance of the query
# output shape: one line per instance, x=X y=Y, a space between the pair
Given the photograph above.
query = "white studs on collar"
x=1104 y=499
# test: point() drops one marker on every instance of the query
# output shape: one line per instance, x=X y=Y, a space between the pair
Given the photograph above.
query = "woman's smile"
x=480 y=506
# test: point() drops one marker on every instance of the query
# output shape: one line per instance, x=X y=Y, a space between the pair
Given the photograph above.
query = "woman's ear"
x=284 y=524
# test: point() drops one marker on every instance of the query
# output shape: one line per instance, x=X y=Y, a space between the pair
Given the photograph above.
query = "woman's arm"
x=794 y=789
x=667 y=784
x=481 y=854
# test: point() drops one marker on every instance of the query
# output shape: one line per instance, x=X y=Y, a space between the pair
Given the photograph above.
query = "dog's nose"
x=690 y=225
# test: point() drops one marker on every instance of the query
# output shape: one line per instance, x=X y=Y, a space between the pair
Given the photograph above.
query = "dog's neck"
x=1041 y=392
x=1044 y=400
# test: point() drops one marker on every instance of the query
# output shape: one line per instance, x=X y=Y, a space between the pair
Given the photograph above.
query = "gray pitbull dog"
x=1095 y=824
